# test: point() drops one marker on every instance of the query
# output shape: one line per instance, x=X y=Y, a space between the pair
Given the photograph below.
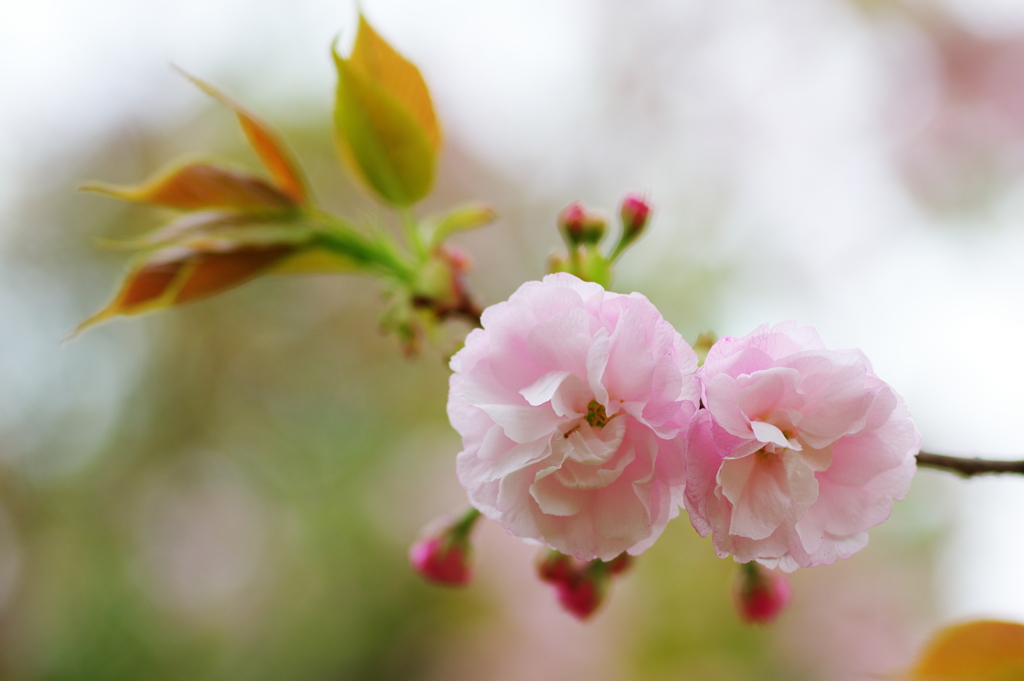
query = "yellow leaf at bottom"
x=985 y=650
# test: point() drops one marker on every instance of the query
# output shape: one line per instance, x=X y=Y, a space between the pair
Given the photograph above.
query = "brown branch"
x=965 y=467
x=465 y=308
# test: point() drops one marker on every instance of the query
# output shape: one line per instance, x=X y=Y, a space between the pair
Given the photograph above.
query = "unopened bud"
x=580 y=586
x=555 y=567
x=619 y=564
x=441 y=560
x=762 y=594
x=557 y=262
x=580 y=226
x=443 y=556
x=571 y=223
x=594 y=228
x=635 y=212
x=582 y=596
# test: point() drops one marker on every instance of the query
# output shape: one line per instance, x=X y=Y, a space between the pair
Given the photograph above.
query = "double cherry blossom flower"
x=571 y=402
x=586 y=425
x=799 y=452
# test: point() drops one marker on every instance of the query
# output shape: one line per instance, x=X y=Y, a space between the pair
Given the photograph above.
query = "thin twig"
x=968 y=467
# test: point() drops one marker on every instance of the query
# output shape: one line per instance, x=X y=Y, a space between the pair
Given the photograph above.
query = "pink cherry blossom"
x=570 y=402
x=799 y=452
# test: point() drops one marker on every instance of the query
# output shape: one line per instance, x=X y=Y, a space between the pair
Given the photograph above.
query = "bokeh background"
x=227 y=490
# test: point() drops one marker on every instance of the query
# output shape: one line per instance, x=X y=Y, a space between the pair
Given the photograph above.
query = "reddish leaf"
x=181 y=275
x=147 y=284
x=195 y=186
x=216 y=272
x=271 y=150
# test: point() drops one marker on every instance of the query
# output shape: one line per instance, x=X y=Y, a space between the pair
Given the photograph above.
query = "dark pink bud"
x=580 y=226
x=441 y=561
x=619 y=564
x=572 y=223
x=635 y=212
x=762 y=594
x=582 y=596
x=555 y=567
x=580 y=586
x=442 y=556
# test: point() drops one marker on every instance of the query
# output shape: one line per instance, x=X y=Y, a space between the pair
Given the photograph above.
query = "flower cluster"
x=586 y=424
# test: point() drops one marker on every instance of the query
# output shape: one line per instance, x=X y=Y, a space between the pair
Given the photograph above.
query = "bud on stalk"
x=634 y=212
x=581 y=587
x=555 y=567
x=580 y=226
x=443 y=556
x=761 y=594
x=582 y=596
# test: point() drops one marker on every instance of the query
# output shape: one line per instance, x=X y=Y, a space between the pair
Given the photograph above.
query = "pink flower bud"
x=619 y=564
x=635 y=211
x=581 y=586
x=582 y=595
x=442 y=556
x=762 y=594
x=580 y=226
x=571 y=221
x=555 y=567
x=557 y=262
x=441 y=560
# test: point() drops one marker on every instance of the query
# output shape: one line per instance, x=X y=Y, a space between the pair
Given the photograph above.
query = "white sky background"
x=779 y=101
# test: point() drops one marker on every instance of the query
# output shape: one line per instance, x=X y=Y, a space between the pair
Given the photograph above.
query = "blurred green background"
x=228 y=490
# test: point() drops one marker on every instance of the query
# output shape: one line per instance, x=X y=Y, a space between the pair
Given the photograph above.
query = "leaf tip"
x=97 y=187
x=86 y=324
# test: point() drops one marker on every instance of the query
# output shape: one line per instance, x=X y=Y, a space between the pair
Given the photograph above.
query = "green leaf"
x=375 y=58
x=462 y=219
x=316 y=261
x=384 y=121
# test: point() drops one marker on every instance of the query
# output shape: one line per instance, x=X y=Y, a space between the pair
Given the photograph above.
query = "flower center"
x=596 y=416
x=764 y=455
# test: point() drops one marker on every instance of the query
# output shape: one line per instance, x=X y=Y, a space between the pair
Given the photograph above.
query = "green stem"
x=619 y=248
x=465 y=524
x=370 y=253
x=411 y=230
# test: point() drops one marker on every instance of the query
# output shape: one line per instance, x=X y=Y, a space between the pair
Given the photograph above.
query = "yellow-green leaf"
x=463 y=218
x=268 y=146
x=384 y=122
x=315 y=261
x=198 y=185
x=380 y=63
x=181 y=275
x=985 y=650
